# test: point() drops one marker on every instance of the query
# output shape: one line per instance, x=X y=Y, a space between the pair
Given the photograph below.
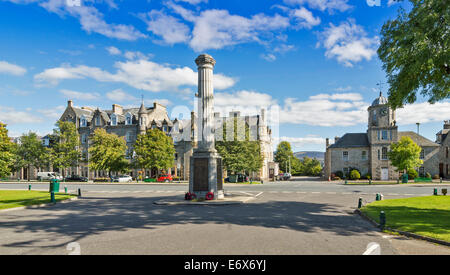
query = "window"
x=384 y=135
x=446 y=152
x=378 y=132
x=153 y=126
x=165 y=128
x=378 y=154
x=83 y=138
x=129 y=119
x=345 y=155
x=97 y=120
x=345 y=171
x=129 y=136
x=113 y=120
x=83 y=122
x=422 y=154
x=364 y=155
x=384 y=155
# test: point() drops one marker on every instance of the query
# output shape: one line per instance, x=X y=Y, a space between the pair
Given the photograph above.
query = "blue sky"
x=314 y=59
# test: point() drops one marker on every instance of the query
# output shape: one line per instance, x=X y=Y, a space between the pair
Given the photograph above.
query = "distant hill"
x=310 y=154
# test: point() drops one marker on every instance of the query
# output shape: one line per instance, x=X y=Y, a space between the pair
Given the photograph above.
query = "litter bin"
x=54 y=185
x=405 y=178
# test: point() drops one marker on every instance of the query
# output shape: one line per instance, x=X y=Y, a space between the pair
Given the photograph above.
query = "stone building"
x=368 y=152
x=124 y=122
x=443 y=138
x=259 y=130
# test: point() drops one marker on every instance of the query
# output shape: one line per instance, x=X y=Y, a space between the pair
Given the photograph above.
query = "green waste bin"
x=54 y=185
x=405 y=178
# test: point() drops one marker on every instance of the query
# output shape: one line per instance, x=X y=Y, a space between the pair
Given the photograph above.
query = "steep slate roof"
x=352 y=140
x=420 y=140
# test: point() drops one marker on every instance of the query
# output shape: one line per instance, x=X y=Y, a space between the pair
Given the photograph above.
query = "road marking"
x=315 y=192
x=258 y=194
x=373 y=249
x=330 y=192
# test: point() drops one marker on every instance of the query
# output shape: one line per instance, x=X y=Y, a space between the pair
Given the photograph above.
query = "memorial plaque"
x=219 y=174
x=201 y=174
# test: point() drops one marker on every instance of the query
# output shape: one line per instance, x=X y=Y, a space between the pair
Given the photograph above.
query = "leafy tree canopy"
x=405 y=154
x=7 y=151
x=154 y=149
x=415 y=51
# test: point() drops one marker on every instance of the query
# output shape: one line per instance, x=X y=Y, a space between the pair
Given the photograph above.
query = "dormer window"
x=113 y=120
x=128 y=119
x=165 y=128
x=83 y=122
x=97 y=121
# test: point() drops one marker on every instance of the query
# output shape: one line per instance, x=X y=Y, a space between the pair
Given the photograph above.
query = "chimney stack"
x=70 y=103
x=327 y=142
x=117 y=109
x=336 y=139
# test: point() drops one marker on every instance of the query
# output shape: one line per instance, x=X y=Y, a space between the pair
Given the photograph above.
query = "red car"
x=165 y=178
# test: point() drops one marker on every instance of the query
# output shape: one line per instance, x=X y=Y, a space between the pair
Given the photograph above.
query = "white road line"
x=315 y=192
x=258 y=194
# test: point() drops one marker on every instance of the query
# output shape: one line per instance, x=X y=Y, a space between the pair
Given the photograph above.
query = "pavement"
x=303 y=216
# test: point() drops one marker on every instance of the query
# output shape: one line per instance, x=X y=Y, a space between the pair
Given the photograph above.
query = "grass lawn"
x=17 y=198
x=426 y=216
x=386 y=183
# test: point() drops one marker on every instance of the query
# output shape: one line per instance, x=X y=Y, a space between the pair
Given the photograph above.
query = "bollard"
x=377 y=197
x=29 y=187
x=435 y=191
x=370 y=181
x=382 y=219
x=360 y=203
x=79 y=192
x=65 y=189
x=345 y=181
x=440 y=180
x=444 y=191
x=52 y=197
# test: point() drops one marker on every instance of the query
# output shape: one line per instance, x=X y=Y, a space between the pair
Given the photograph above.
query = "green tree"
x=405 y=154
x=239 y=154
x=107 y=152
x=154 y=149
x=31 y=152
x=415 y=52
x=7 y=152
x=65 y=151
x=283 y=154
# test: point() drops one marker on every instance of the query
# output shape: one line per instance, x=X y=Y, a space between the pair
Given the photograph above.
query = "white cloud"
x=193 y=2
x=79 y=95
x=90 y=18
x=8 y=68
x=113 y=51
x=168 y=27
x=322 y=5
x=54 y=112
x=269 y=57
x=305 y=18
x=302 y=141
x=348 y=43
x=247 y=102
x=216 y=29
x=11 y=116
x=423 y=113
x=392 y=2
x=343 y=89
x=325 y=110
x=140 y=74
x=119 y=95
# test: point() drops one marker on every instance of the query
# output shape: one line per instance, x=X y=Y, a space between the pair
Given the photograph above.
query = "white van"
x=48 y=175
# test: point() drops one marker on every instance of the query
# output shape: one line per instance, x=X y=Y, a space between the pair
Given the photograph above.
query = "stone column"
x=205 y=163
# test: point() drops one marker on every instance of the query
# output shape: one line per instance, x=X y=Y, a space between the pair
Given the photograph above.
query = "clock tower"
x=381 y=132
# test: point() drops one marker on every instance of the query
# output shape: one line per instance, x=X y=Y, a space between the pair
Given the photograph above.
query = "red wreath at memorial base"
x=209 y=196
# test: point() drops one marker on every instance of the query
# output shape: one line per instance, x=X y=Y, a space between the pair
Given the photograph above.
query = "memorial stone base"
x=206 y=174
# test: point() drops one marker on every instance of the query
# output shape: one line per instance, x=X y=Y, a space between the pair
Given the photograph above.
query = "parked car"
x=76 y=178
x=165 y=178
x=48 y=176
x=284 y=176
x=237 y=178
x=122 y=178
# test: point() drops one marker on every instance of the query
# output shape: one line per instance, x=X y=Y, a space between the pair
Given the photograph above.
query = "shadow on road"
x=93 y=215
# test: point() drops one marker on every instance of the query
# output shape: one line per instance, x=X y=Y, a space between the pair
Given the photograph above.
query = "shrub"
x=412 y=174
x=354 y=175
x=339 y=174
x=428 y=175
x=336 y=178
x=436 y=177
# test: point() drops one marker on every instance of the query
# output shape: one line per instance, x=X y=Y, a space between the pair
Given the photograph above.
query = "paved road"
x=299 y=217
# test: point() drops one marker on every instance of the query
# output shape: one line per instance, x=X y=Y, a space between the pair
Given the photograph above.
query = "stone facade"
x=126 y=123
x=367 y=152
x=186 y=142
x=443 y=138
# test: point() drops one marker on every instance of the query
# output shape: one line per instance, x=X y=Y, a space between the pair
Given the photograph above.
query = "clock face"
x=383 y=111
